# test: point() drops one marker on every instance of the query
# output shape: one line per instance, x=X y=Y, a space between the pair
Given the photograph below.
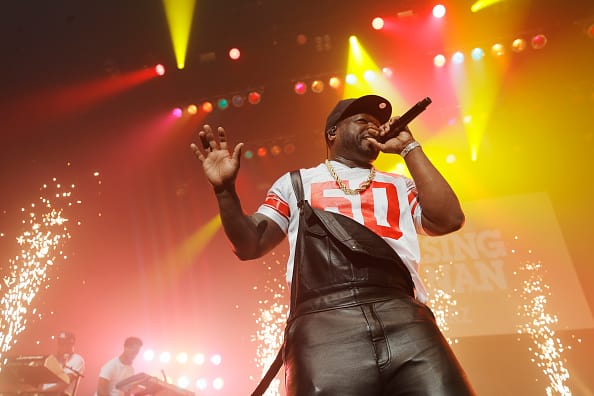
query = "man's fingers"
x=197 y=151
x=204 y=140
x=222 y=138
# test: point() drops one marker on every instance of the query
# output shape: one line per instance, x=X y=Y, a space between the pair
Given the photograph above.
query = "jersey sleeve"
x=415 y=206
x=276 y=205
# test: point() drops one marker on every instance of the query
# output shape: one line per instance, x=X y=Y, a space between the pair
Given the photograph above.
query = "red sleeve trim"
x=273 y=201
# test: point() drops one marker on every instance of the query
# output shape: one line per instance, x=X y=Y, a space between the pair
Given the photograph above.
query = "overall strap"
x=278 y=360
x=298 y=188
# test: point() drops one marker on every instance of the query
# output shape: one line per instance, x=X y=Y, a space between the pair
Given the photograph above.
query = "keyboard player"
x=73 y=364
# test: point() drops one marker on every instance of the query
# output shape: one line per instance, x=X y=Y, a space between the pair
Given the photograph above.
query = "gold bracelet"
x=409 y=147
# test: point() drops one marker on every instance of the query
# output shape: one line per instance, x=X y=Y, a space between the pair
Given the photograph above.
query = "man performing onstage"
x=73 y=364
x=358 y=322
x=118 y=368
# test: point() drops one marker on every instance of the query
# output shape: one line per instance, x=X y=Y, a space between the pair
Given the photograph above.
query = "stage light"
x=480 y=5
x=317 y=86
x=207 y=107
x=182 y=358
x=275 y=150
x=369 y=75
x=439 y=11
x=164 y=357
x=497 y=49
x=237 y=100
x=519 y=45
x=262 y=152
x=439 y=60
x=249 y=154
x=234 y=53
x=192 y=109
x=388 y=72
x=177 y=112
x=222 y=104
x=477 y=53
x=450 y=159
x=539 y=41
x=458 y=58
x=377 y=23
x=301 y=39
x=289 y=148
x=201 y=384
x=183 y=382
x=254 y=97
x=160 y=70
x=218 y=383
x=351 y=79
x=199 y=358
x=334 y=82
x=300 y=88
x=148 y=355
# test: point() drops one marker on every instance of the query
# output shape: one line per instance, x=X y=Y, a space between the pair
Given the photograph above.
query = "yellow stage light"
x=179 y=18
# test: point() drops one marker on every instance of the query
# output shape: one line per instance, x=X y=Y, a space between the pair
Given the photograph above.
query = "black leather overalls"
x=355 y=327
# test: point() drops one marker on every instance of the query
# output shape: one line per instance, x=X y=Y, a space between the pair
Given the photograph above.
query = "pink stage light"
x=300 y=87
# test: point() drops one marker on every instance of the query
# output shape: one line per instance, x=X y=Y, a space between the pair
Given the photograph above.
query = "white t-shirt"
x=115 y=371
x=389 y=207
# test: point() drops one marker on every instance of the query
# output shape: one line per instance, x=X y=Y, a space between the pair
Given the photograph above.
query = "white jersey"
x=389 y=207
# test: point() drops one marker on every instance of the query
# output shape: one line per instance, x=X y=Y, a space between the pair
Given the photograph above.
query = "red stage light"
x=262 y=152
x=234 y=53
x=539 y=41
x=377 y=23
x=289 y=148
x=254 y=97
x=301 y=39
x=160 y=70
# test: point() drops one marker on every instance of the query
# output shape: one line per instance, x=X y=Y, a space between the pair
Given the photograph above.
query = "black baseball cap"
x=375 y=105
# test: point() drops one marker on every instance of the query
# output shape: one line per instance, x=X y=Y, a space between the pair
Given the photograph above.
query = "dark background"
x=125 y=273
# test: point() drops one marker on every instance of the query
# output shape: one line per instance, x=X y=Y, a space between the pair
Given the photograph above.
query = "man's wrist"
x=409 y=147
x=224 y=189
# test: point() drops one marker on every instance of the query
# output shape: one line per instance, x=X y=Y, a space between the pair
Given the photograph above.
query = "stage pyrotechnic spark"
x=45 y=230
x=442 y=304
x=271 y=323
x=538 y=326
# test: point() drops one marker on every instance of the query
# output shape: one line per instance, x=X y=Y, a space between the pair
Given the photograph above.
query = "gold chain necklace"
x=362 y=187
